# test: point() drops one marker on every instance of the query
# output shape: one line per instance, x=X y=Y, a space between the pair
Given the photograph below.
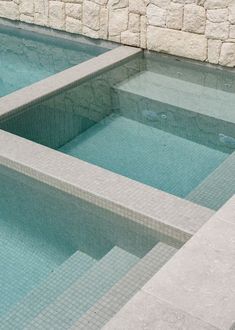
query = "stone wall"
x=198 y=29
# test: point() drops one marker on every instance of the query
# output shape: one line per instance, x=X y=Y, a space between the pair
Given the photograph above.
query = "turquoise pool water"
x=51 y=239
x=146 y=154
x=29 y=57
x=166 y=123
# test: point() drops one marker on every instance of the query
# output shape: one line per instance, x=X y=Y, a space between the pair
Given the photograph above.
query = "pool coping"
x=195 y=288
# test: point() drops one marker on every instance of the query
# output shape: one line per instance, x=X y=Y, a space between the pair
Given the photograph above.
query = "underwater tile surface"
x=146 y=154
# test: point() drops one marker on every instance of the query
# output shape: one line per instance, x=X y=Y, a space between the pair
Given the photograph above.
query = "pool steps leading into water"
x=218 y=187
x=82 y=294
x=37 y=299
x=169 y=104
x=106 y=307
x=69 y=292
x=182 y=94
x=161 y=102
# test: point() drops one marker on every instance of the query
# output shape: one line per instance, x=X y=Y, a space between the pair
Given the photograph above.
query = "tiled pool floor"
x=146 y=154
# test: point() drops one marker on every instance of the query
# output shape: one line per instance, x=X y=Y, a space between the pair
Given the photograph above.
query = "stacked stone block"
x=198 y=29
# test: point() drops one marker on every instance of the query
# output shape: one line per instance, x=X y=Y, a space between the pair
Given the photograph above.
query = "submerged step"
x=105 y=308
x=33 y=303
x=82 y=294
x=163 y=107
x=218 y=187
x=182 y=94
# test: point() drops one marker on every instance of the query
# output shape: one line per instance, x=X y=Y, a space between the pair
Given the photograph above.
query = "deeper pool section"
x=27 y=57
x=60 y=252
x=165 y=123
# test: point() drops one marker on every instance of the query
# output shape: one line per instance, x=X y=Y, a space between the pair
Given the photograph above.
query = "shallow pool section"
x=146 y=154
x=58 y=251
x=165 y=123
x=27 y=57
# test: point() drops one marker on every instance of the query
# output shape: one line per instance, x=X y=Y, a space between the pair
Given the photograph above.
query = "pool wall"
x=202 y=30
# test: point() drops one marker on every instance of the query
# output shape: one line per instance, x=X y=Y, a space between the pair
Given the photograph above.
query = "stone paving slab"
x=146 y=312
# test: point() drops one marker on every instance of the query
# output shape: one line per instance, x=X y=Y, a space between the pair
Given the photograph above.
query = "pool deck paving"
x=195 y=289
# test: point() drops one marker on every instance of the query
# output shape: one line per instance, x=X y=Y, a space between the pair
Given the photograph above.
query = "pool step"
x=218 y=187
x=82 y=294
x=105 y=308
x=182 y=94
x=33 y=303
x=183 y=108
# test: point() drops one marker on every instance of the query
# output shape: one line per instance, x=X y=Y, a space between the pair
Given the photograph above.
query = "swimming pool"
x=59 y=252
x=158 y=121
x=27 y=57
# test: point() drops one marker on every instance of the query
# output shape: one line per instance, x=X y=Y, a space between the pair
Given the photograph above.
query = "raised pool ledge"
x=195 y=289
x=18 y=100
x=158 y=210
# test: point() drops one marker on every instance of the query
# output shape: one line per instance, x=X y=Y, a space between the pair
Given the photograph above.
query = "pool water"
x=49 y=240
x=27 y=57
x=136 y=150
x=166 y=123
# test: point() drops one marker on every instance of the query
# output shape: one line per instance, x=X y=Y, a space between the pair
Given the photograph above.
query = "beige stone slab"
x=179 y=43
x=200 y=279
x=146 y=312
